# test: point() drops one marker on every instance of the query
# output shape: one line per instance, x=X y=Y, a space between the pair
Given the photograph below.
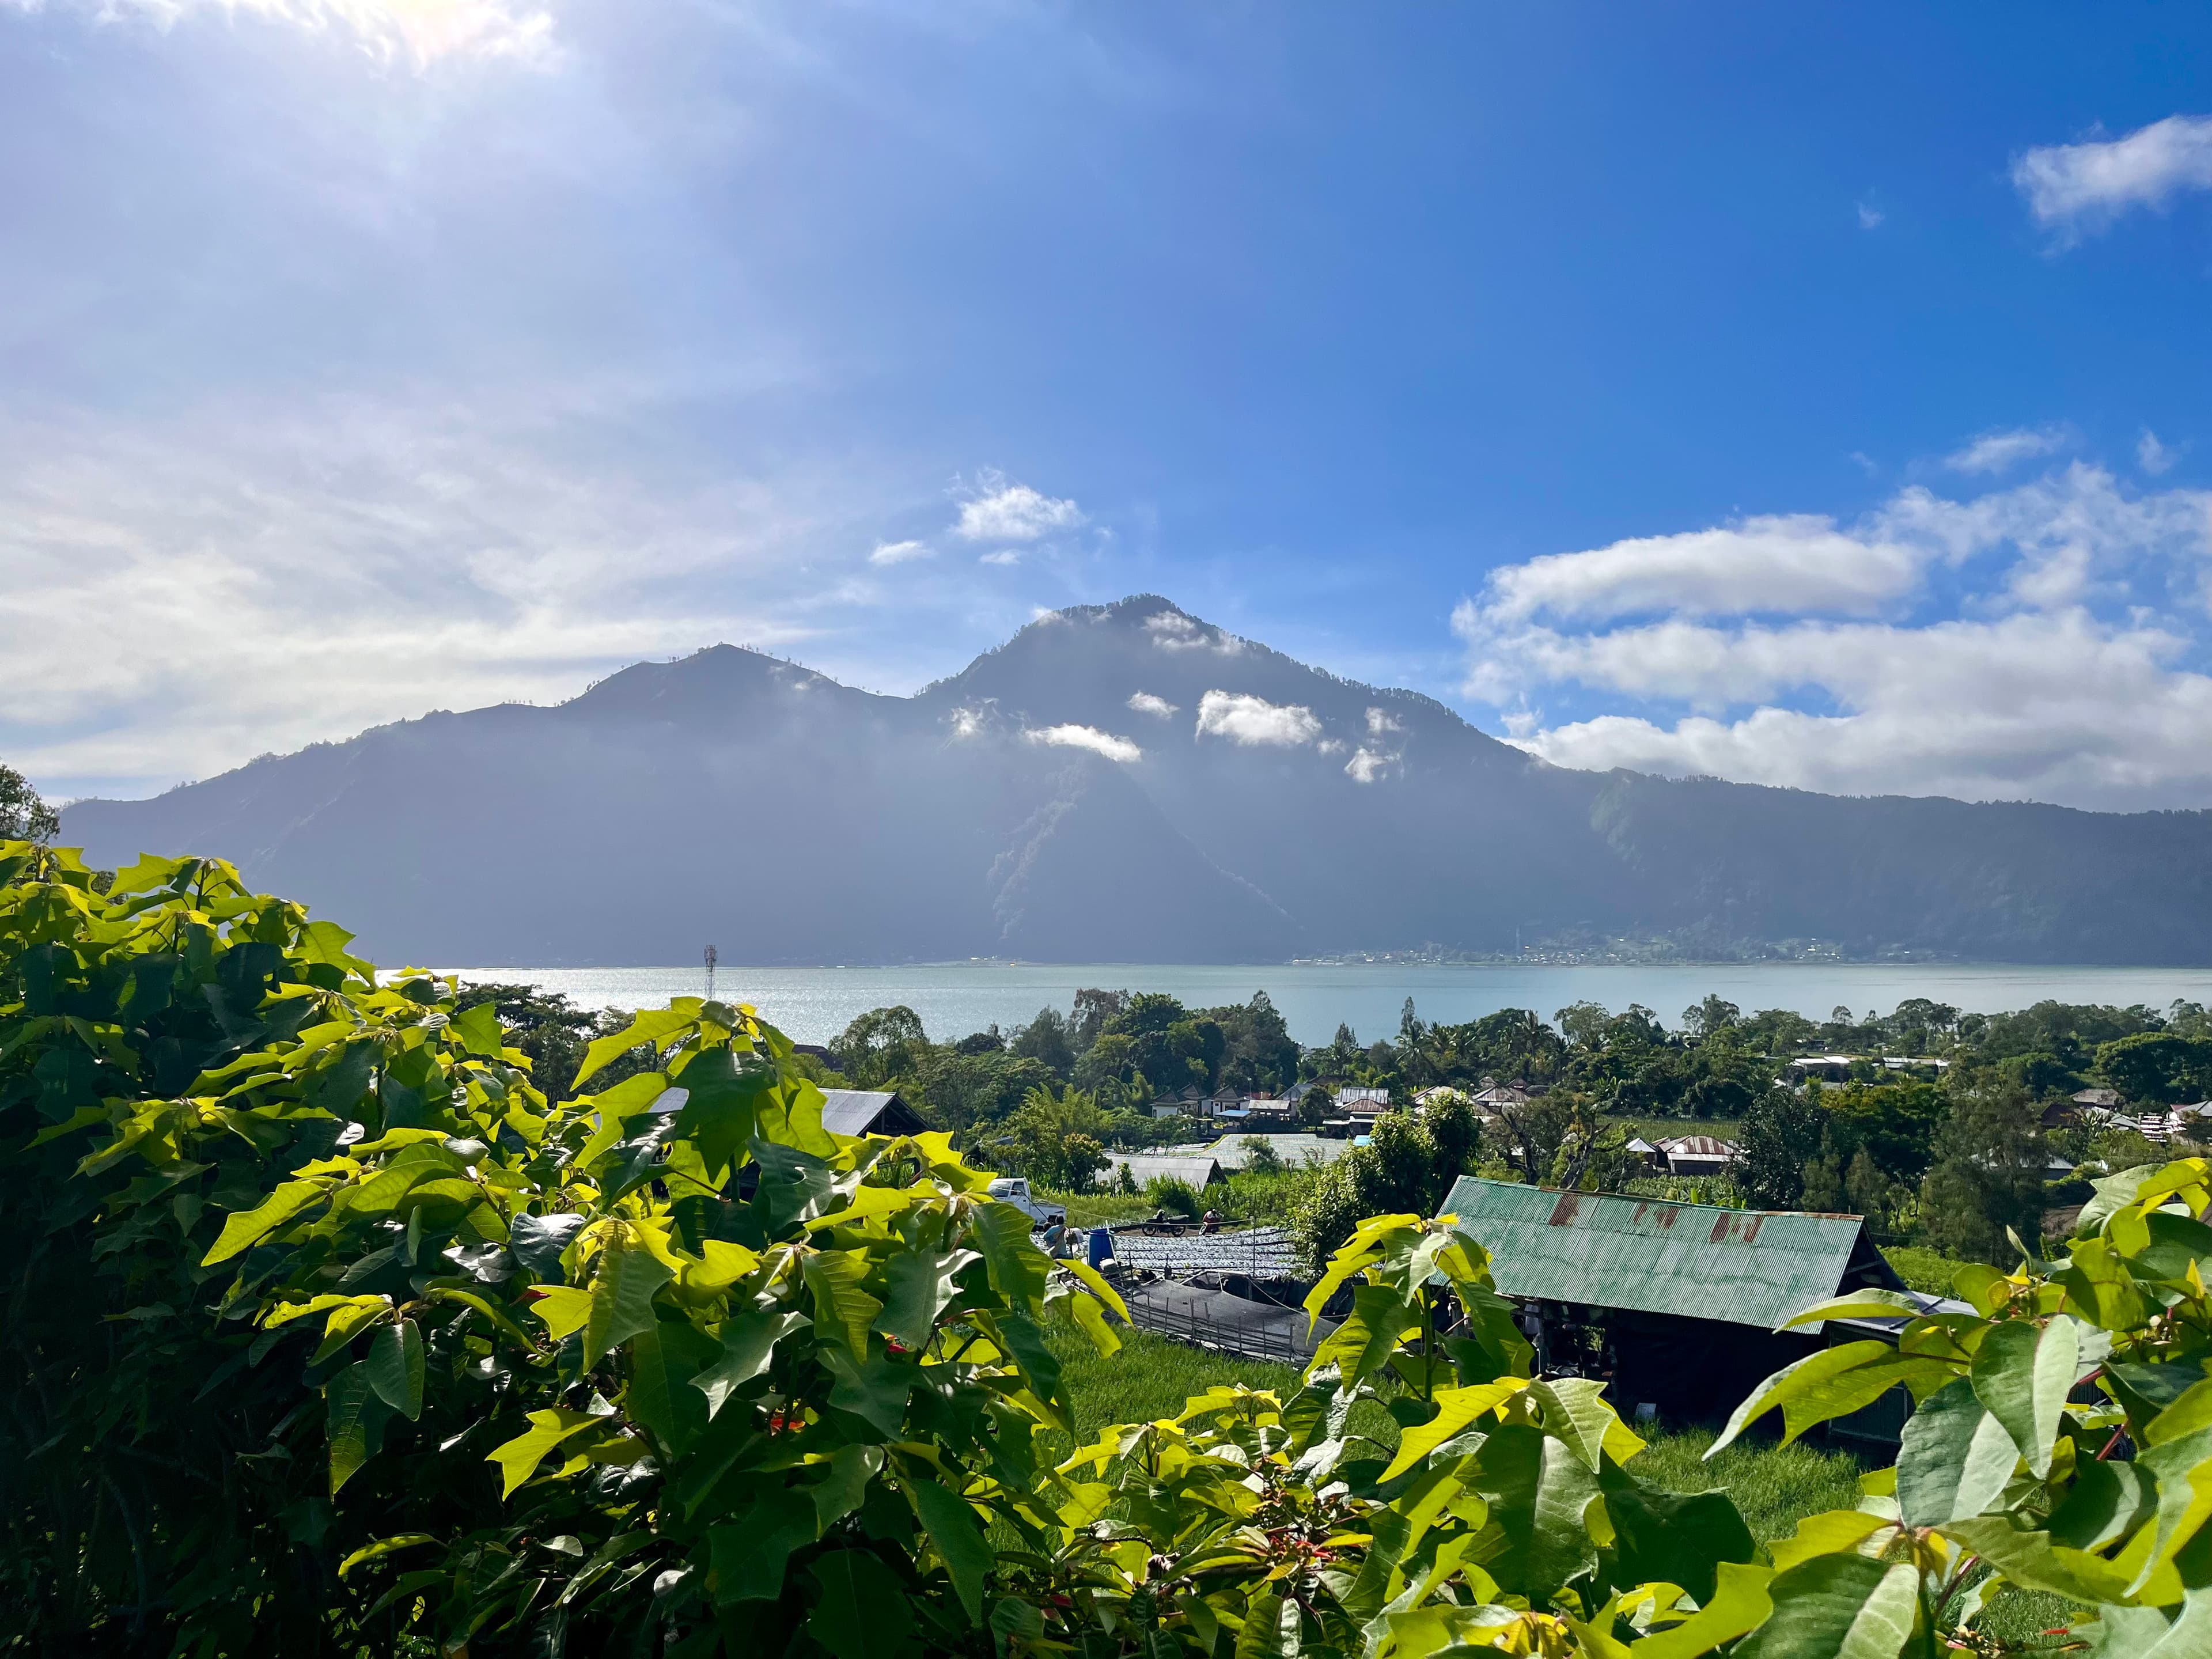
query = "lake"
x=813 y=1004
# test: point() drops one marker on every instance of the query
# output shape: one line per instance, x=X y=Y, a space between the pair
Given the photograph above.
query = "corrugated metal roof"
x=858 y=1112
x=1198 y=1171
x=1602 y=1249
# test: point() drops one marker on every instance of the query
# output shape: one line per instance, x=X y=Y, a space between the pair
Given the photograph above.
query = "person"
x=1212 y=1223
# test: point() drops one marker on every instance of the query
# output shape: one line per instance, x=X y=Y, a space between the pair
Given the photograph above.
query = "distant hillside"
x=1115 y=783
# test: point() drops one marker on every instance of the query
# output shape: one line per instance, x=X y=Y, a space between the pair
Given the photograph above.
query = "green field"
x=1774 y=1486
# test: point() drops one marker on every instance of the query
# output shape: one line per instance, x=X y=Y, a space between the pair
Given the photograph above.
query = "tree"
x=1780 y=1135
x=1048 y=1038
x=1710 y=1017
x=1260 y=1157
x=1053 y=1138
x=1093 y=1009
x=1258 y=1053
x=1585 y=1024
x=1988 y=1175
x=1406 y=1167
x=880 y=1045
x=23 y=816
x=2157 y=1068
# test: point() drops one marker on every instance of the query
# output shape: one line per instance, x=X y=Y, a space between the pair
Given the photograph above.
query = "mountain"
x=1120 y=782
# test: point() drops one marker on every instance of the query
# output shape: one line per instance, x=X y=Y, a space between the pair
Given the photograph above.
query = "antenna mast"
x=710 y=973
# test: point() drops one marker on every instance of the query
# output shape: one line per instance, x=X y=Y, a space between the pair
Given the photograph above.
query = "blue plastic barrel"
x=1101 y=1246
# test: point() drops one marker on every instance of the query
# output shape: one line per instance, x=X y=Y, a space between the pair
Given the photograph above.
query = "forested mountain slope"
x=1119 y=782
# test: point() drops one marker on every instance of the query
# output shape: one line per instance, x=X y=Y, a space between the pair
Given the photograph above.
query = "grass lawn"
x=1928 y=1272
x=1101 y=1209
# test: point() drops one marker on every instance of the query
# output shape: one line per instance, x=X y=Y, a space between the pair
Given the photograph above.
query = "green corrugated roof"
x=1746 y=1266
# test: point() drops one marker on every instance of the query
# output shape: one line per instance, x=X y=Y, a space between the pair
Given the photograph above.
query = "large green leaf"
x=394 y=1367
x=1675 y=1537
x=243 y=1231
x=2022 y=1376
x=654 y=1026
x=1271 y=1628
x=749 y=1340
x=873 y=1389
x=520 y=1457
x=747 y=1554
x=862 y=1612
x=920 y=1286
x=1457 y=1411
x=664 y=1360
x=622 y=1294
x=1739 y=1603
x=1018 y=1269
x=355 y=1417
x=1956 y=1458
x=2034 y=1560
x=1838 y=1607
x=1832 y=1383
x=957 y=1534
x=1576 y=1410
x=1380 y=1318
x=720 y=1113
x=842 y=1310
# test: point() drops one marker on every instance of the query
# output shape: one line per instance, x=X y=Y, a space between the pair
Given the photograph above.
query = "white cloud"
x=898 y=552
x=1146 y=703
x=1382 y=721
x=1255 y=721
x=996 y=511
x=1365 y=765
x=2077 y=187
x=1871 y=216
x=1004 y=555
x=2059 y=680
x=1771 y=563
x=1091 y=737
x=1999 y=452
x=421 y=31
x=2151 y=456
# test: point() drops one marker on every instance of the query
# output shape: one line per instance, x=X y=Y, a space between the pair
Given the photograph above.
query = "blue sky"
x=1812 y=396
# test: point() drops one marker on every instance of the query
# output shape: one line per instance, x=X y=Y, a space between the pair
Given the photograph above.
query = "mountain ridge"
x=1114 y=782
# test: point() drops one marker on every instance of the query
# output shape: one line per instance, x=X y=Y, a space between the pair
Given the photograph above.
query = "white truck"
x=1015 y=1190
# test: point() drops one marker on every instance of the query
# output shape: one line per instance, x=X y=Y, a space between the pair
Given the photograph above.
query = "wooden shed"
x=1673 y=1305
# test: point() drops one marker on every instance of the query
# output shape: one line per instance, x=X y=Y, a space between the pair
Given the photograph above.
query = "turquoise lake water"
x=814 y=1004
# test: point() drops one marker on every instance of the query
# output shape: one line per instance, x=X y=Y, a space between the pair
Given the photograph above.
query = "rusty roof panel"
x=1745 y=1267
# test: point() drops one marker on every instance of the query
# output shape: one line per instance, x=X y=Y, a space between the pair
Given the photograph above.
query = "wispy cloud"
x=2000 y=451
x=2151 y=456
x=1146 y=703
x=2074 y=188
x=998 y=511
x=898 y=552
x=1871 y=216
x=1090 y=737
x=182 y=596
x=1255 y=722
x=420 y=32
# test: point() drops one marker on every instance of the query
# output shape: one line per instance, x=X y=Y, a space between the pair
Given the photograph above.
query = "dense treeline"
x=1953 y=1155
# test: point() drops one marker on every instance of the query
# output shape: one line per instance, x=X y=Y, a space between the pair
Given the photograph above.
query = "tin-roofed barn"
x=868 y=1112
x=1675 y=1304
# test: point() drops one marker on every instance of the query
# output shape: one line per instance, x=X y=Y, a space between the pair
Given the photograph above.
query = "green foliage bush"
x=328 y=1332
